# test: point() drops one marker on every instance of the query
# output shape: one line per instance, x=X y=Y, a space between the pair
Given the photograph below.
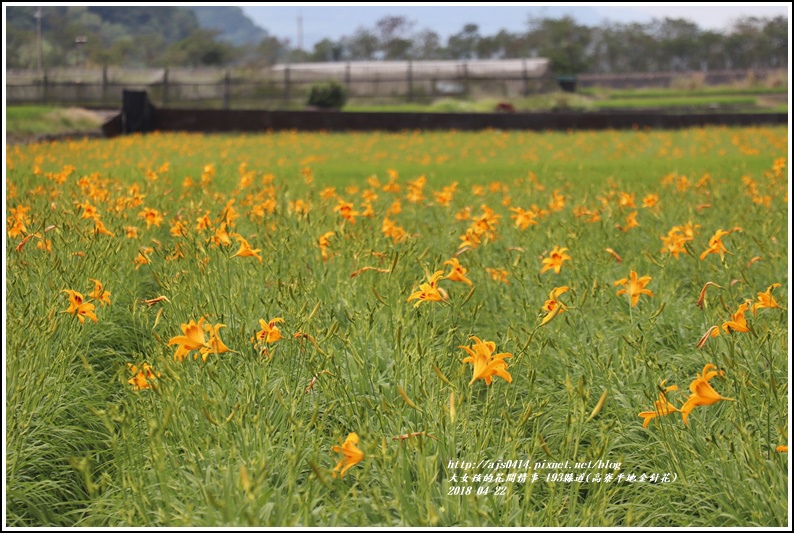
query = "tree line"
x=660 y=45
x=138 y=36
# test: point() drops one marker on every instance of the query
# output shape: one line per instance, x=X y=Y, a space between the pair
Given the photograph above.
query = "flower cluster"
x=702 y=394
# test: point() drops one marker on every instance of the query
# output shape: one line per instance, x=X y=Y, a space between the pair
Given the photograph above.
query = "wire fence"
x=287 y=86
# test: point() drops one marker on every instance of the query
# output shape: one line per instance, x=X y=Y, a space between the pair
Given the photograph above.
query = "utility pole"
x=37 y=16
x=80 y=41
x=300 y=31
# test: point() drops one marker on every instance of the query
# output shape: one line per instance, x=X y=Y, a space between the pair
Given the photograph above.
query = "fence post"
x=347 y=75
x=227 y=80
x=104 y=85
x=526 y=78
x=410 y=81
x=465 y=79
x=44 y=87
x=165 y=87
x=286 y=86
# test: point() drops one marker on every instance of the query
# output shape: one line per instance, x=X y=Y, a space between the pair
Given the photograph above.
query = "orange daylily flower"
x=555 y=259
x=631 y=222
x=674 y=244
x=178 y=229
x=143 y=257
x=661 y=407
x=391 y=229
x=430 y=292
x=470 y=240
x=557 y=202
x=89 y=211
x=463 y=214
x=352 y=455
x=634 y=287
x=395 y=208
x=458 y=273
x=222 y=237
x=17 y=229
x=269 y=333
x=444 y=197
x=214 y=344
x=246 y=250
x=553 y=306
x=715 y=245
x=100 y=228
x=142 y=376
x=486 y=366
x=737 y=321
x=650 y=200
x=193 y=339
x=523 y=219
x=151 y=216
x=498 y=274
x=485 y=224
x=677 y=237
x=766 y=300
x=415 y=190
x=79 y=307
x=702 y=392
x=325 y=242
x=99 y=293
x=346 y=210
x=203 y=222
x=299 y=207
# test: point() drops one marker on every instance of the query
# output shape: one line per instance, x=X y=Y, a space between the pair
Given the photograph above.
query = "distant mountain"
x=126 y=35
x=234 y=27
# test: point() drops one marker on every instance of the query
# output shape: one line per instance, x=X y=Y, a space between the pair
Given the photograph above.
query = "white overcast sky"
x=336 y=20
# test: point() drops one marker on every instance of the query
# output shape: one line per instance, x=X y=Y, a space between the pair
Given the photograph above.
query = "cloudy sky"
x=335 y=21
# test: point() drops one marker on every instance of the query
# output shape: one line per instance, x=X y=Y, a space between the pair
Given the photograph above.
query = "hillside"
x=129 y=35
x=235 y=27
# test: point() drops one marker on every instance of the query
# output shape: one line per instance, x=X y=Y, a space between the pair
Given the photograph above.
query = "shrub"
x=328 y=95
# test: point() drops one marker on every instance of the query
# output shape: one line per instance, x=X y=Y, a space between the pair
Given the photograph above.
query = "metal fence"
x=287 y=86
x=683 y=80
x=282 y=87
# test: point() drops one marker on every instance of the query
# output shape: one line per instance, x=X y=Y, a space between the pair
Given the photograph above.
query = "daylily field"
x=452 y=329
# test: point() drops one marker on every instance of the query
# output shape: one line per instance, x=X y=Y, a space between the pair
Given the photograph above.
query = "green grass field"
x=32 y=120
x=225 y=428
x=716 y=102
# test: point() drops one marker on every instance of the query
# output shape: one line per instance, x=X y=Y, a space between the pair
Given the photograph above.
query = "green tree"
x=463 y=45
x=394 y=42
x=327 y=50
x=562 y=41
x=427 y=45
x=678 y=41
x=200 y=48
x=362 y=45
